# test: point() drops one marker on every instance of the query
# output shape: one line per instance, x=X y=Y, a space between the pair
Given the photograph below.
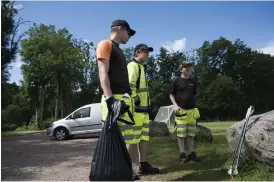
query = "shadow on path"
x=207 y=175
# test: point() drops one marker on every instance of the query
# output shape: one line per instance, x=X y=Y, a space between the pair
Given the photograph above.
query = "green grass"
x=19 y=132
x=216 y=159
x=22 y=130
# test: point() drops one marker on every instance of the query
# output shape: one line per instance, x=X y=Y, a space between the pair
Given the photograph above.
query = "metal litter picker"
x=233 y=170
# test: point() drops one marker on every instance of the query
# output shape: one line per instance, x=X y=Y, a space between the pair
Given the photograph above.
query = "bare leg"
x=192 y=154
x=143 y=154
x=145 y=167
x=181 y=143
x=132 y=150
x=190 y=144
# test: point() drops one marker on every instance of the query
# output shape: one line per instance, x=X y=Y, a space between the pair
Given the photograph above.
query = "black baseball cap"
x=123 y=23
x=140 y=47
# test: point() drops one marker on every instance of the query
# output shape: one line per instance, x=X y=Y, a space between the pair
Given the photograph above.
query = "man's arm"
x=172 y=96
x=132 y=76
x=103 y=67
x=172 y=99
x=103 y=52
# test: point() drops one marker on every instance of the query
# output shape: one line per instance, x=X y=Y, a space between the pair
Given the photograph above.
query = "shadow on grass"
x=205 y=164
x=207 y=175
x=164 y=153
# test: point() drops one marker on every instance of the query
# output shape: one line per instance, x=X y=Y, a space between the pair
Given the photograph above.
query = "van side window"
x=82 y=113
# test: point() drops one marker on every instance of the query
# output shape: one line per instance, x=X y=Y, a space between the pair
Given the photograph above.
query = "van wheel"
x=61 y=133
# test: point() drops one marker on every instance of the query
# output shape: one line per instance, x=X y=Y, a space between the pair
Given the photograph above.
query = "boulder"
x=158 y=129
x=203 y=134
x=259 y=138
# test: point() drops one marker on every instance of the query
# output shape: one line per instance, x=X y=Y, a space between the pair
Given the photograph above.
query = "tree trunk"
x=42 y=93
x=57 y=102
x=62 y=104
x=51 y=113
x=39 y=108
x=42 y=105
x=36 y=116
x=67 y=101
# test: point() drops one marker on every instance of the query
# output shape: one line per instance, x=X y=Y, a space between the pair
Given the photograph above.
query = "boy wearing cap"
x=182 y=96
x=140 y=95
x=113 y=74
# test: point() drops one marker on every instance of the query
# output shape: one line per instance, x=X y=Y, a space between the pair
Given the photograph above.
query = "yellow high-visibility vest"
x=139 y=86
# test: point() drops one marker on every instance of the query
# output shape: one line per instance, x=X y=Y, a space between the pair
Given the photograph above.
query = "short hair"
x=114 y=29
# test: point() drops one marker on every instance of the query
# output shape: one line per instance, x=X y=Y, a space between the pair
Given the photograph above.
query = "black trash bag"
x=111 y=160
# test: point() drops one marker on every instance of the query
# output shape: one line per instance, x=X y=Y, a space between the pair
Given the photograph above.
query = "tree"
x=161 y=71
x=89 y=82
x=218 y=100
x=52 y=62
x=249 y=72
x=9 y=39
x=129 y=53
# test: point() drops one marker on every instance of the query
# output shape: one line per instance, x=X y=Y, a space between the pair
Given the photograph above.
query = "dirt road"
x=35 y=157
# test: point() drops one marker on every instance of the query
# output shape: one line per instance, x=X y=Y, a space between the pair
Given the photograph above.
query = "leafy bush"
x=8 y=127
x=47 y=122
x=12 y=115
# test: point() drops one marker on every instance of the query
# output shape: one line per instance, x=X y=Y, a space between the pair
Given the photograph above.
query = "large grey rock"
x=203 y=134
x=259 y=138
x=158 y=129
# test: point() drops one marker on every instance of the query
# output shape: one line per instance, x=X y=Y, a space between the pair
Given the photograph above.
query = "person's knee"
x=144 y=142
x=181 y=137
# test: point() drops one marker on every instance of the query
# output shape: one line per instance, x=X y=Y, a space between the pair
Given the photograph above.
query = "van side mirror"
x=72 y=116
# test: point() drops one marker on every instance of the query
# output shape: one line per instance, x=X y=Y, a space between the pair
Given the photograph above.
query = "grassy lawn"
x=216 y=159
x=19 y=132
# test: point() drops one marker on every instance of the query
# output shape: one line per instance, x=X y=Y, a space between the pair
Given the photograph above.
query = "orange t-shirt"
x=103 y=50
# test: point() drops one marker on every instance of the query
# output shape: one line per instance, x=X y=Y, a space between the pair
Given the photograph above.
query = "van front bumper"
x=50 y=132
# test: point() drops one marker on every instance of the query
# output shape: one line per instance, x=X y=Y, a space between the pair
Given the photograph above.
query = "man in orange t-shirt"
x=113 y=75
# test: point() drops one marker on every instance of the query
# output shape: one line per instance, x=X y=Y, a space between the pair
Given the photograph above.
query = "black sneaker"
x=194 y=157
x=146 y=168
x=184 y=158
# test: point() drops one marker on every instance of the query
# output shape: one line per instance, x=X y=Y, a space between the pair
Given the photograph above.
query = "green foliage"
x=169 y=64
x=219 y=96
x=8 y=126
x=48 y=122
x=8 y=91
x=129 y=53
x=53 y=69
x=9 y=37
x=12 y=115
x=250 y=79
x=60 y=74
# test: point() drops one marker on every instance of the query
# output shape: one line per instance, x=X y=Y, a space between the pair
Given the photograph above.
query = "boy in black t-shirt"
x=182 y=96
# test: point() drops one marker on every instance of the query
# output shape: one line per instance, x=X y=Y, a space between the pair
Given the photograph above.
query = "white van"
x=84 y=120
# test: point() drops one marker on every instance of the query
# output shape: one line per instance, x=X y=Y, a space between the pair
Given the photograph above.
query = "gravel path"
x=35 y=157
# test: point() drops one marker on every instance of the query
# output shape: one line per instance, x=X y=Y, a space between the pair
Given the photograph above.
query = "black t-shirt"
x=184 y=91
